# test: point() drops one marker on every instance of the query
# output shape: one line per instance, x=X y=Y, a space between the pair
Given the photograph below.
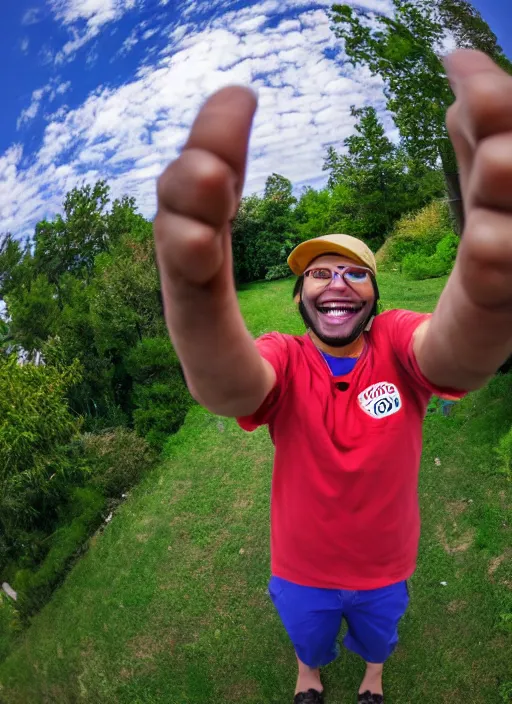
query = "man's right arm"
x=198 y=195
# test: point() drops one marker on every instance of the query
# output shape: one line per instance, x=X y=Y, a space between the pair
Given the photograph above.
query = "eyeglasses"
x=352 y=275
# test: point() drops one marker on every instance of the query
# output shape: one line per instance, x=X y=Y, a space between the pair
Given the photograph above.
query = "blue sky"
x=108 y=88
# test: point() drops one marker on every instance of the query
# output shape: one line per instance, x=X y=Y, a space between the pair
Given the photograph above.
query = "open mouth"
x=339 y=310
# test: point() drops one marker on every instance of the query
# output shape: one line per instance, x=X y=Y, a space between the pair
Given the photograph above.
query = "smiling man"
x=345 y=402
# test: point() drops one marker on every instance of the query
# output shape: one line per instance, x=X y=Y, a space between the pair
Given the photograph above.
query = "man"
x=344 y=403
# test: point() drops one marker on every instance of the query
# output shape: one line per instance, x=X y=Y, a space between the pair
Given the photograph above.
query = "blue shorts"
x=312 y=618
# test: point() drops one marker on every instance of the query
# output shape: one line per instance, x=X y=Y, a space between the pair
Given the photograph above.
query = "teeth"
x=340 y=311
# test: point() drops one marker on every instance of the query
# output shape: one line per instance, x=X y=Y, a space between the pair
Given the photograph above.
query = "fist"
x=199 y=193
x=480 y=127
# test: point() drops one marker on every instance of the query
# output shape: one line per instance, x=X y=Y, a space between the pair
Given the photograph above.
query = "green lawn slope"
x=169 y=605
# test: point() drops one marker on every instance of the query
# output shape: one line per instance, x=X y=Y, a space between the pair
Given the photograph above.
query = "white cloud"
x=31 y=16
x=129 y=133
x=63 y=87
x=24 y=44
x=94 y=13
x=51 y=90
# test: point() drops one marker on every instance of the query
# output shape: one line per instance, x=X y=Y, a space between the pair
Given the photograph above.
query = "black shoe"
x=369 y=698
x=312 y=696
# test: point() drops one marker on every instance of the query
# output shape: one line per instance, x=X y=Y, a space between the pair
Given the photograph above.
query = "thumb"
x=223 y=126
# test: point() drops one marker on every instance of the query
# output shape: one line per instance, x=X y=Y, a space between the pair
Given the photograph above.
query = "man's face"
x=336 y=311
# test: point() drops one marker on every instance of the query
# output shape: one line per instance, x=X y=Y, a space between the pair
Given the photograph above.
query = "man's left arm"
x=469 y=335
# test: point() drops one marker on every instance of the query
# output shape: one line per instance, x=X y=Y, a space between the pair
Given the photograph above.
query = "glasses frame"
x=340 y=274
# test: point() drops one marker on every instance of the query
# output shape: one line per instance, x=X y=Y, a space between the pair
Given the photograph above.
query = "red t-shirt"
x=344 y=508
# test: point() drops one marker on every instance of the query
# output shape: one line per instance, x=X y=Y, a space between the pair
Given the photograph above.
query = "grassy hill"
x=169 y=605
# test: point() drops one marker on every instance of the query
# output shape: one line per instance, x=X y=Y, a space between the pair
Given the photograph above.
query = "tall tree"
x=405 y=51
x=470 y=30
x=380 y=181
x=70 y=243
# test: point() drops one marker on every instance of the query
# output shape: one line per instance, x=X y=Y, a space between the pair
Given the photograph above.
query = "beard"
x=342 y=338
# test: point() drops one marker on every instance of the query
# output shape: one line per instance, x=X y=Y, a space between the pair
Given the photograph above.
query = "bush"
x=117 y=460
x=36 y=426
x=504 y=452
x=160 y=396
x=281 y=271
x=446 y=249
x=419 y=267
x=9 y=625
x=152 y=357
x=35 y=587
x=162 y=408
x=419 y=233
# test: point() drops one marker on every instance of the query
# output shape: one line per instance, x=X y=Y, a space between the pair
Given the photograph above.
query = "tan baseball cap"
x=344 y=245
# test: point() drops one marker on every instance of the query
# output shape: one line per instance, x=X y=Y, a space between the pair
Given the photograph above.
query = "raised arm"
x=470 y=333
x=198 y=196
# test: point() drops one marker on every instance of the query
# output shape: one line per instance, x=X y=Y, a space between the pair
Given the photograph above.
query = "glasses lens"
x=321 y=274
x=356 y=276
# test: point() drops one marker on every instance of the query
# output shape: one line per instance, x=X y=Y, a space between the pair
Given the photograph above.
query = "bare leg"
x=308 y=678
x=373 y=679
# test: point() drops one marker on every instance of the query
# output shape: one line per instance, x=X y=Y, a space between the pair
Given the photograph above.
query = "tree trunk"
x=455 y=200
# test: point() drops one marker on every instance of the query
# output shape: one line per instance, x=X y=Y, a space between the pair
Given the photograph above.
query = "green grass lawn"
x=170 y=606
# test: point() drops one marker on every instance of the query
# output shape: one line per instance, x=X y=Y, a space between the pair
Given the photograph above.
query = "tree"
x=402 y=50
x=36 y=424
x=376 y=181
x=471 y=31
x=405 y=51
x=70 y=243
x=245 y=230
x=277 y=235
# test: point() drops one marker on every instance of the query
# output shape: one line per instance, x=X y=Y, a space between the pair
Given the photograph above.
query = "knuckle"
x=492 y=158
x=164 y=183
x=483 y=244
x=452 y=118
x=483 y=90
x=206 y=170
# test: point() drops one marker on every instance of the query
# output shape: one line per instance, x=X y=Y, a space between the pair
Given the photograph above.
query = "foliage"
x=10 y=625
x=470 y=30
x=417 y=266
x=419 y=234
x=116 y=459
x=280 y=271
x=375 y=181
x=34 y=587
x=264 y=230
x=36 y=424
x=160 y=396
x=402 y=50
x=70 y=243
x=33 y=309
x=504 y=452
x=405 y=51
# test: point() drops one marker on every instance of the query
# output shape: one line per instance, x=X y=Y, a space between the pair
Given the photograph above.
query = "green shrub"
x=9 y=625
x=506 y=692
x=160 y=396
x=117 y=460
x=446 y=249
x=161 y=410
x=504 y=452
x=153 y=357
x=419 y=233
x=280 y=271
x=417 y=266
x=35 y=587
x=36 y=426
